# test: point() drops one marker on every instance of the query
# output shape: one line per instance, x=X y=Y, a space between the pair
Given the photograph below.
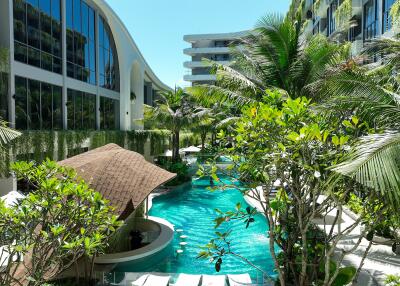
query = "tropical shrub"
x=180 y=168
x=60 y=221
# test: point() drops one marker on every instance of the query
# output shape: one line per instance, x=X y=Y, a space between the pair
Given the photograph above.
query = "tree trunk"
x=203 y=141
x=175 y=146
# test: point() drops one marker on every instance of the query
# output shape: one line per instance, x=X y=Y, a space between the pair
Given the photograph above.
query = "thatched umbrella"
x=123 y=177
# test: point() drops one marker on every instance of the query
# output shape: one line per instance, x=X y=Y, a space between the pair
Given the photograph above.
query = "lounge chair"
x=213 y=280
x=239 y=280
x=188 y=280
x=157 y=280
x=137 y=279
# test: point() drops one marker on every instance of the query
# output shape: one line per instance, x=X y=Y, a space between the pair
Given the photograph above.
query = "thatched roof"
x=123 y=177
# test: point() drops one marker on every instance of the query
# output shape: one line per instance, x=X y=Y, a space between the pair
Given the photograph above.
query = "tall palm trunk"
x=175 y=146
x=203 y=140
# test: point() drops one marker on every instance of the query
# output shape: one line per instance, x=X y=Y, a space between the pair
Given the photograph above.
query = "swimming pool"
x=192 y=209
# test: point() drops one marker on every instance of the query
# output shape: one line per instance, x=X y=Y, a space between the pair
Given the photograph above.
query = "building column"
x=97 y=17
x=64 y=63
x=149 y=93
x=137 y=86
x=7 y=33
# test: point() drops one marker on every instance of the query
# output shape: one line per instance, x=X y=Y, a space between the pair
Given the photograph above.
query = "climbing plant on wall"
x=395 y=13
x=159 y=141
x=344 y=13
x=59 y=145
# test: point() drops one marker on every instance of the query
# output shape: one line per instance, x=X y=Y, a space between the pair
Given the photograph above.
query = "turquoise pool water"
x=192 y=208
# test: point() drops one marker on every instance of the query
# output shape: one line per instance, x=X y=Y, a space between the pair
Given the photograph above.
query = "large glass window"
x=108 y=60
x=81 y=110
x=3 y=96
x=386 y=19
x=81 y=48
x=37 y=33
x=370 y=19
x=333 y=6
x=38 y=105
x=108 y=111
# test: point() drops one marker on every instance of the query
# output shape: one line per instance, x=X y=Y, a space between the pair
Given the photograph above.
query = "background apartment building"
x=366 y=20
x=72 y=65
x=215 y=47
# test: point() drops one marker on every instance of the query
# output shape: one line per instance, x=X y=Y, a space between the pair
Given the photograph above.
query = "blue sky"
x=158 y=26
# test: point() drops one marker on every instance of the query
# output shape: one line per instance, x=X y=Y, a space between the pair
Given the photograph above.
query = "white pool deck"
x=164 y=279
x=380 y=262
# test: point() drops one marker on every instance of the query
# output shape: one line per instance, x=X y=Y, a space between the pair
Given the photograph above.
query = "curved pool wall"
x=192 y=208
x=166 y=234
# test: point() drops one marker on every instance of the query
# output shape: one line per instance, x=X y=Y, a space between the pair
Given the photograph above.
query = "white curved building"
x=73 y=65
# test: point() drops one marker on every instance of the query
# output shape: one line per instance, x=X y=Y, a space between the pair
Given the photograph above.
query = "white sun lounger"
x=157 y=280
x=213 y=280
x=239 y=279
x=137 y=279
x=188 y=280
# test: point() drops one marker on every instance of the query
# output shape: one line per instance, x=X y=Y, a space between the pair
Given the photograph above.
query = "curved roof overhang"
x=110 y=14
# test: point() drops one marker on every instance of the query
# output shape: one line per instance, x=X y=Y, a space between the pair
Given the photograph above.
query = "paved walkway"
x=380 y=261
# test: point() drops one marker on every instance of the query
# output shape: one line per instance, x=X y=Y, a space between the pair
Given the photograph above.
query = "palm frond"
x=7 y=134
x=389 y=48
x=211 y=94
x=376 y=164
x=227 y=122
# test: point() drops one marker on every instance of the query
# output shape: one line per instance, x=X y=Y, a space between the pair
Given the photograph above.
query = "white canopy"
x=191 y=149
x=168 y=153
x=12 y=198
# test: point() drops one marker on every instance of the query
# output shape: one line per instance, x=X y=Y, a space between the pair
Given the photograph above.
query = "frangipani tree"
x=281 y=151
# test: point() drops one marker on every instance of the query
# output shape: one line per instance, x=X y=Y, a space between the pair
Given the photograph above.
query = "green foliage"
x=174 y=111
x=392 y=280
x=67 y=221
x=344 y=13
x=282 y=139
x=181 y=169
x=376 y=216
x=395 y=12
x=58 y=145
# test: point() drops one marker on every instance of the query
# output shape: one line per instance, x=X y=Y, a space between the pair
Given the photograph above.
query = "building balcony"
x=211 y=50
x=200 y=77
x=201 y=64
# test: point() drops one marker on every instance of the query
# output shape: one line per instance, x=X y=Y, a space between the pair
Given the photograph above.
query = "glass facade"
x=3 y=96
x=38 y=105
x=37 y=33
x=81 y=110
x=108 y=111
x=108 y=61
x=370 y=19
x=38 y=42
x=386 y=19
x=81 y=39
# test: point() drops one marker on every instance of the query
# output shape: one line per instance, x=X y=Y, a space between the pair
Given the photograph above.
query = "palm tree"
x=374 y=97
x=174 y=111
x=272 y=57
